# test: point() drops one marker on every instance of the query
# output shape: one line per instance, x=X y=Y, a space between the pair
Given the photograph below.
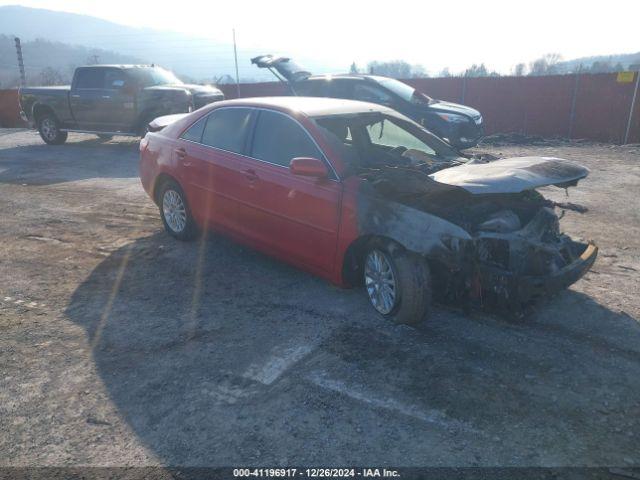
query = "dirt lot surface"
x=120 y=345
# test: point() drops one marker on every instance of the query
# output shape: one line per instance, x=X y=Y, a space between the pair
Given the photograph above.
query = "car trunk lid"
x=282 y=67
x=159 y=123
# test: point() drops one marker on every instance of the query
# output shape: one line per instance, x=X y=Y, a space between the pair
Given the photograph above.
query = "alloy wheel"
x=175 y=213
x=49 y=129
x=380 y=282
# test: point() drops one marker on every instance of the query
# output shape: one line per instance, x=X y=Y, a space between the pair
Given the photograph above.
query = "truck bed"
x=57 y=98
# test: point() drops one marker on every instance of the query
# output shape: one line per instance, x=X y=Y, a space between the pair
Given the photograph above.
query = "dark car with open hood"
x=361 y=195
x=459 y=125
x=110 y=100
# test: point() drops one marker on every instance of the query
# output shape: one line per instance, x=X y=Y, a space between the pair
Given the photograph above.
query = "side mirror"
x=308 y=167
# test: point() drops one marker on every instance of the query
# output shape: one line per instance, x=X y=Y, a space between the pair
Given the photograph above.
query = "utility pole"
x=632 y=108
x=235 y=54
x=23 y=77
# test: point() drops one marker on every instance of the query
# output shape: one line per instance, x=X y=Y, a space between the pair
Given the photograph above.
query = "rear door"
x=293 y=216
x=86 y=99
x=210 y=154
x=117 y=102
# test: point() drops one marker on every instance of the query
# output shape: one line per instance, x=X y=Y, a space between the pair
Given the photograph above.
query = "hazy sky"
x=434 y=34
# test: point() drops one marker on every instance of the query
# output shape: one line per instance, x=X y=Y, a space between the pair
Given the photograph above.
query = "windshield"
x=149 y=77
x=403 y=90
x=374 y=139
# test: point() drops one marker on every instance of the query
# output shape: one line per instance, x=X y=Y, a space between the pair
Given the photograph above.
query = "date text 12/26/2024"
x=315 y=472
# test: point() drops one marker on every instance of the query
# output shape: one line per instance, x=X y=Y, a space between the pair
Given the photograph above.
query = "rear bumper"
x=523 y=289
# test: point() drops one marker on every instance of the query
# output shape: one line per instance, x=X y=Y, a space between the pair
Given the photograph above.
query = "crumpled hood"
x=512 y=175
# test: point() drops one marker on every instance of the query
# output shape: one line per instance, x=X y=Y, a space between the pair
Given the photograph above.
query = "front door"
x=293 y=216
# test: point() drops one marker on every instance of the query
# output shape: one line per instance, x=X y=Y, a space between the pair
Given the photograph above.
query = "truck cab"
x=111 y=100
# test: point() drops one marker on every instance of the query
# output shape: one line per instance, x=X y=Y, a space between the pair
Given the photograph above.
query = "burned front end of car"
x=499 y=250
x=518 y=253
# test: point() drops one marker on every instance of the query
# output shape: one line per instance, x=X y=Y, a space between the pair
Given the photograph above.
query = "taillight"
x=144 y=143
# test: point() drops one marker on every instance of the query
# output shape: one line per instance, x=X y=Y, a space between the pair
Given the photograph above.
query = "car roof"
x=309 y=106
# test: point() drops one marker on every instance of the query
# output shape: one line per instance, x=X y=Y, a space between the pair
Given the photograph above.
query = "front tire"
x=175 y=213
x=397 y=283
x=49 y=129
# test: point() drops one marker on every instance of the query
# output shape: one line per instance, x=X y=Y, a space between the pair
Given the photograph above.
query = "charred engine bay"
x=515 y=232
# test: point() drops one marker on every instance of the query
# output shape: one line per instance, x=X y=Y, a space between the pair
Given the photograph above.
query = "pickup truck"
x=110 y=100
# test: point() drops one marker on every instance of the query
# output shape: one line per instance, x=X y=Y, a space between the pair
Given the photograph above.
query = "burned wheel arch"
x=382 y=220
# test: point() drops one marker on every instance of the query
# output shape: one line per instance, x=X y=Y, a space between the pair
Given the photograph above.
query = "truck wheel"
x=175 y=212
x=397 y=283
x=49 y=129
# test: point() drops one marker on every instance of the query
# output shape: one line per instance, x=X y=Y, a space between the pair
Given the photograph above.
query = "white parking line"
x=22 y=302
x=374 y=399
x=277 y=364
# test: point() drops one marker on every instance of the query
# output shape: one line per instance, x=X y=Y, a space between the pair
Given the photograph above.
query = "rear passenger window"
x=340 y=88
x=194 y=132
x=114 y=79
x=278 y=139
x=227 y=128
x=90 y=78
x=310 y=88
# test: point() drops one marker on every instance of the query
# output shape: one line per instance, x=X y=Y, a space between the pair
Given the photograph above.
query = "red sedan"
x=359 y=194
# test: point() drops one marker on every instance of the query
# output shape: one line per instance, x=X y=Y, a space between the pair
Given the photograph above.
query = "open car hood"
x=512 y=175
x=289 y=70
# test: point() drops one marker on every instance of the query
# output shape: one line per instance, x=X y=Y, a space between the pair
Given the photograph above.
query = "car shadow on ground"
x=85 y=157
x=217 y=355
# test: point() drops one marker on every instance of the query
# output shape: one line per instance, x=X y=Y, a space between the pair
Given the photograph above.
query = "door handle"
x=106 y=96
x=250 y=174
x=75 y=96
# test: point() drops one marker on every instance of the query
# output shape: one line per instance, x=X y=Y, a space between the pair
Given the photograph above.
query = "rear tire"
x=49 y=129
x=175 y=213
x=411 y=279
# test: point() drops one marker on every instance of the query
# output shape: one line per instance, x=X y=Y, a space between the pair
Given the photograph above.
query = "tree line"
x=549 y=64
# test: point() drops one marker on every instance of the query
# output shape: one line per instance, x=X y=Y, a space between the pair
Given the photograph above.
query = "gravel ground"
x=119 y=345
